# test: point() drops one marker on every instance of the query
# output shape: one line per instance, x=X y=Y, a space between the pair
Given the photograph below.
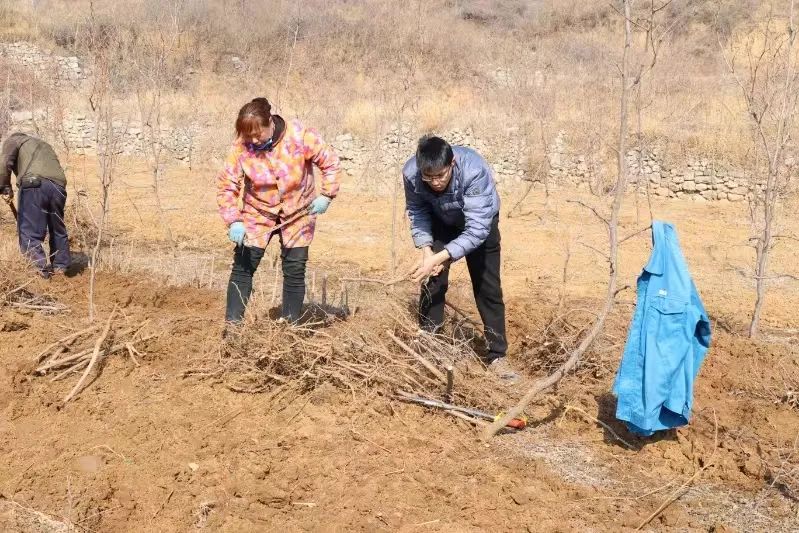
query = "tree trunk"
x=612 y=224
x=763 y=249
x=772 y=193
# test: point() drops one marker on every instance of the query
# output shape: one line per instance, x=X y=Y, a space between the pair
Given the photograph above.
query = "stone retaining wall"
x=700 y=179
x=375 y=164
x=62 y=71
x=79 y=133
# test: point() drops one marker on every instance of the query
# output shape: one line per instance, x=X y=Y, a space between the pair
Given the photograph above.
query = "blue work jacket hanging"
x=668 y=339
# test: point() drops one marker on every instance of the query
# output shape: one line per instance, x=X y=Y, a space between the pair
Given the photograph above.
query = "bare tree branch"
x=612 y=227
x=769 y=90
x=590 y=208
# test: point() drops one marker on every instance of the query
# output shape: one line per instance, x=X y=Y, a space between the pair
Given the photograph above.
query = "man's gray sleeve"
x=479 y=208
x=8 y=160
x=420 y=215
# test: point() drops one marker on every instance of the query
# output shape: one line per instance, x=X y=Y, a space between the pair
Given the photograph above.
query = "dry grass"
x=352 y=66
x=17 y=517
x=364 y=119
x=21 y=288
x=438 y=111
x=783 y=470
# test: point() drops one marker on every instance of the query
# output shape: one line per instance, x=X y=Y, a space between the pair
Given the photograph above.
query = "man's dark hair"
x=432 y=154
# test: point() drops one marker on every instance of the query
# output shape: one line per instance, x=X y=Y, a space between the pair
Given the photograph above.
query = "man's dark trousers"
x=41 y=212
x=484 y=265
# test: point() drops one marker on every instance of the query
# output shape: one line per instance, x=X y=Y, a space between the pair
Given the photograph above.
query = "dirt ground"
x=145 y=448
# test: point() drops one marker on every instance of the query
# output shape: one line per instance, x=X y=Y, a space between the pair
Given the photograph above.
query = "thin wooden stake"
x=450 y=383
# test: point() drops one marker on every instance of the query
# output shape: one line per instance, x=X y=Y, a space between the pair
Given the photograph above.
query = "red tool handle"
x=517 y=423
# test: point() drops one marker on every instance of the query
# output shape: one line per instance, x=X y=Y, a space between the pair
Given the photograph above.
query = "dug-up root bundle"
x=381 y=352
x=85 y=352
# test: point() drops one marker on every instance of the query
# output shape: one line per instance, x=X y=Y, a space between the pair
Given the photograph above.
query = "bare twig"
x=612 y=225
x=674 y=496
x=132 y=352
x=17 y=289
x=640 y=231
x=110 y=449
x=72 y=369
x=598 y=421
x=66 y=340
x=427 y=364
x=95 y=355
x=367 y=439
x=463 y=314
x=57 y=363
x=376 y=281
x=163 y=504
x=591 y=208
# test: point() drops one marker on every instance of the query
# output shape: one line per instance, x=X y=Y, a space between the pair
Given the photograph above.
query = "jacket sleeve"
x=420 y=215
x=701 y=331
x=325 y=158
x=228 y=186
x=8 y=160
x=478 y=211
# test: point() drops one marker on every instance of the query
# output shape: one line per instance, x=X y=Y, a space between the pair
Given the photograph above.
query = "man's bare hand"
x=431 y=264
x=427 y=251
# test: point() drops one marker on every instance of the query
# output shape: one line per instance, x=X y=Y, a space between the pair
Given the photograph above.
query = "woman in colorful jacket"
x=268 y=181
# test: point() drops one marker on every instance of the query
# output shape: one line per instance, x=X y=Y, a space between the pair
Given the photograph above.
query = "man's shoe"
x=500 y=368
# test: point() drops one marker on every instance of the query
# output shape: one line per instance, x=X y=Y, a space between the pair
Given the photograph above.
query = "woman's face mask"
x=265 y=146
x=264 y=141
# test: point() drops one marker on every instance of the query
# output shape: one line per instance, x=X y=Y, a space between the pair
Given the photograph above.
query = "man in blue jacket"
x=453 y=206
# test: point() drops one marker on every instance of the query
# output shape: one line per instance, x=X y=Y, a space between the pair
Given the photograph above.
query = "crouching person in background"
x=42 y=197
x=453 y=206
x=268 y=181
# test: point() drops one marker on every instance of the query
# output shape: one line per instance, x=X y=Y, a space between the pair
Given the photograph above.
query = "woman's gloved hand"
x=236 y=233
x=319 y=205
